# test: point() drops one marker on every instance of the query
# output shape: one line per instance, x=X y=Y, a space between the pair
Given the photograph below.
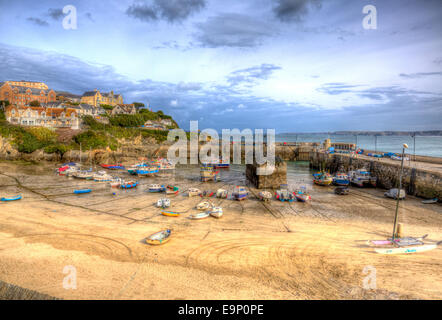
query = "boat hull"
x=11 y=199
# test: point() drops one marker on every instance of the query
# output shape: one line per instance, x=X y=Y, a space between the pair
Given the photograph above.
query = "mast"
x=399 y=192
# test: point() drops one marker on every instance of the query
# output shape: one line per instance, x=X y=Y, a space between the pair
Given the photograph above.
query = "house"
x=166 y=122
x=42 y=117
x=92 y=98
x=124 y=109
x=22 y=95
x=85 y=109
x=111 y=99
x=64 y=96
x=154 y=125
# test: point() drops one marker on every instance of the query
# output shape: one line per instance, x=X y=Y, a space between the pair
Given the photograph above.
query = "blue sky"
x=292 y=65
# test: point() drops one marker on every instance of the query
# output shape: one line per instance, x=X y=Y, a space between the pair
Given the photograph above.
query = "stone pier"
x=256 y=174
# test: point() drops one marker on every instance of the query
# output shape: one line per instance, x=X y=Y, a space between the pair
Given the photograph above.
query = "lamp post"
x=405 y=146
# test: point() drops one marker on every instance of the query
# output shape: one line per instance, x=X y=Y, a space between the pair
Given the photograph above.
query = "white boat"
x=362 y=178
x=156 y=188
x=102 y=176
x=265 y=195
x=430 y=201
x=198 y=216
x=83 y=175
x=221 y=193
x=216 y=212
x=193 y=192
x=204 y=205
x=414 y=249
x=163 y=203
x=393 y=193
x=115 y=183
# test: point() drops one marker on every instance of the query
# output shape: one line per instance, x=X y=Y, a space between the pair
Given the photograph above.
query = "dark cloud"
x=55 y=14
x=294 y=10
x=38 y=21
x=232 y=30
x=420 y=74
x=170 y=10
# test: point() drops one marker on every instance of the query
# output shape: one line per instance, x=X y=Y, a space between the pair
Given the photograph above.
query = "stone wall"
x=272 y=181
x=417 y=182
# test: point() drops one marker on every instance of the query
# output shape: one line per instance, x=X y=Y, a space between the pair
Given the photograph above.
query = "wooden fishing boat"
x=128 y=184
x=285 y=195
x=156 y=188
x=81 y=191
x=102 y=176
x=170 y=213
x=19 y=197
x=116 y=182
x=362 y=178
x=160 y=237
x=265 y=195
x=341 y=179
x=199 y=216
x=204 y=205
x=221 y=193
x=393 y=193
x=302 y=195
x=216 y=212
x=413 y=249
x=323 y=179
x=193 y=192
x=240 y=193
x=429 y=201
x=172 y=190
x=145 y=171
x=163 y=203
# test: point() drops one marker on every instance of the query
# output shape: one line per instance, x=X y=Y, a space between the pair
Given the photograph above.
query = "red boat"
x=112 y=166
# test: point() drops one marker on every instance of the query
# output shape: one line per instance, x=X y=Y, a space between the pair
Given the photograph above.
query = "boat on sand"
x=160 y=237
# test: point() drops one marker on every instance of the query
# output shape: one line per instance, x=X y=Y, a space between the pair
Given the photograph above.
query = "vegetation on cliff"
x=96 y=135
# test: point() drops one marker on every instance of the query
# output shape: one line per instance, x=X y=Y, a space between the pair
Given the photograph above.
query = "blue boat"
x=341 y=179
x=157 y=188
x=81 y=191
x=147 y=170
x=240 y=193
x=129 y=185
x=11 y=199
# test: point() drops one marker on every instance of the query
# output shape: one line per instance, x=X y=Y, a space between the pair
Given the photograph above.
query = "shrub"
x=43 y=135
x=2 y=115
x=95 y=140
x=106 y=106
x=59 y=148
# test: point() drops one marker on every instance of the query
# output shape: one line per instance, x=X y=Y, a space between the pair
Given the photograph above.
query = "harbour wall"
x=416 y=181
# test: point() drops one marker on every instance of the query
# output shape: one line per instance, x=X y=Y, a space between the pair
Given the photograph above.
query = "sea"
x=425 y=145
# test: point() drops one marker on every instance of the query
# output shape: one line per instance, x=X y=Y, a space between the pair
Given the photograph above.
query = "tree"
x=139 y=105
x=34 y=103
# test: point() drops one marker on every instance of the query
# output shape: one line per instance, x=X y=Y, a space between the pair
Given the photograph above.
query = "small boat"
x=240 y=193
x=199 y=216
x=159 y=237
x=87 y=175
x=193 y=192
x=170 y=213
x=429 y=201
x=113 y=166
x=216 y=212
x=324 y=179
x=399 y=158
x=116 y=182
x=362 y=178
x=302 y=195
x=81 y=191
x=128 y=184
x=393 y=193
x=102 y=176
x=207 y=193
x=156 y=188
x=204 y=205
x=341 y=179
x=165 y=165
x=163 y=203
x=220 y=164
x=413 y=249
x=221 y=193
x=285 y=195
x=408 y=240
x=172 y=190
x=207 y=173
x=342 y=191
x=265 y=195
x=19 y=197
x=145 y=171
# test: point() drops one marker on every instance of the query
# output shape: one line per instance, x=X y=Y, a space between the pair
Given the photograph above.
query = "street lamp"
x=405 y=146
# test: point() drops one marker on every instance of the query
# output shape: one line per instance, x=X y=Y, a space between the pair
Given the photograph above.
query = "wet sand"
x=279 y=250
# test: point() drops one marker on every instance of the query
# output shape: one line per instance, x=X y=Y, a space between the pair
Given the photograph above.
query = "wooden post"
x=399 y=232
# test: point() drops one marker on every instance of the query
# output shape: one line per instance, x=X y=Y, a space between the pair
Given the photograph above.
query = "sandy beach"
x=276 y=250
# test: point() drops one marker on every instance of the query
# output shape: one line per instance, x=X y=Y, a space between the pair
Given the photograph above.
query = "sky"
x=288 y=65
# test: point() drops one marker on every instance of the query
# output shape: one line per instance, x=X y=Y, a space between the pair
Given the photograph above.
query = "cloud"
x=189 y=86
x=232 y=30
x=174 y=103
x=170 y=10
x=249 y=76
x=55 y=14
x=335 y=88
x=38 y=21
x=294 y=10
x=420 y=74
x=89 y=16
